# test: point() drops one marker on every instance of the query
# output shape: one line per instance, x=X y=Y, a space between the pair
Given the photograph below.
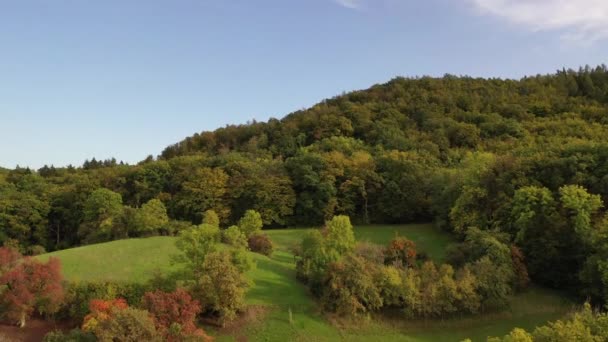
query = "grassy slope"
x=276 y=287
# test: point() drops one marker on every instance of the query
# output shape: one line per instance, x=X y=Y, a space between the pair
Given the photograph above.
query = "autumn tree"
x=29 y=285
x=400 y=251
x=174 y=315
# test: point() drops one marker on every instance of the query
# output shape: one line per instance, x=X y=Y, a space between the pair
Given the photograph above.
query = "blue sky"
x=126 y=78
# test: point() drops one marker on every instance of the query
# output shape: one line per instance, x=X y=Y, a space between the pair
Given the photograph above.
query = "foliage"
x=251 y=223
x=400 y=251
x=234 y=236
x=585 y=325
x=74 y=335
x=349 y=287
x=151 y=218
x=260 y=243
x=28 y=285
x=221 y=287
x=339 y=235
x=210 y=217
x=174 y=314
x=127 y=324
x=195 y=244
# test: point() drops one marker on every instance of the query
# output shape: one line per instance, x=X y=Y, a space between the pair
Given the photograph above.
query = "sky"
x=126 y=78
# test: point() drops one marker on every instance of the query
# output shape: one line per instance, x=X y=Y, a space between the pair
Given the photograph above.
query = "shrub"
x=400 y=252
x=350 y=288
x=370 y=251
x=260 y=243
x=36 y=250
x=174 y=314
x=79 y=295
x=234 y=237
x=128 y=325
x=74 y=335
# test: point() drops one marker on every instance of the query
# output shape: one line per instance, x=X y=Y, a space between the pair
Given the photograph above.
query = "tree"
x=203 y=190
x=339 y=234
x=350 y=288
x=195 y=244
x=102 y=213
x=129 y=325
x=234 y=236
x=580 y=206
x=400 y=251
x=174 y=314
x=251 y=223
x=151 y=217
x=210 y=217
x=221 y=287
x=28 y=286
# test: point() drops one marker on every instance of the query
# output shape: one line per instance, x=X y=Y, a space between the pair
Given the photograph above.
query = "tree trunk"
x=22 y=320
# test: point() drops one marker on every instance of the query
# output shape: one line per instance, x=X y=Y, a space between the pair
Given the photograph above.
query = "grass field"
x=277 y=290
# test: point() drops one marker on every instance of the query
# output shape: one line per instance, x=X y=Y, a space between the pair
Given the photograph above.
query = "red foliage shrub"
x=102 y=310
x=174 y=308
x=401 y=251
x=260 y=243
x=29 y=285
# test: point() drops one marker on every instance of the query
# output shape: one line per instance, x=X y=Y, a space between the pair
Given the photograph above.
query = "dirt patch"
x=34 y=331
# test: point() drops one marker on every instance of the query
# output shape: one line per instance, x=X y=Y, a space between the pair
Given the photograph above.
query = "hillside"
x=277 y=291
x=523 y=161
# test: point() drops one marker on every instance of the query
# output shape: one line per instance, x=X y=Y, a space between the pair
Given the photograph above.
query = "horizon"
x=125 y=80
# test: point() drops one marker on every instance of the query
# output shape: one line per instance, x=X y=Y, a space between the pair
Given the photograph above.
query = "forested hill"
x=431 y=115
x=526 y=159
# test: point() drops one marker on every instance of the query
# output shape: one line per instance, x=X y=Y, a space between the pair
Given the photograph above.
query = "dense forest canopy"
x=526 y=159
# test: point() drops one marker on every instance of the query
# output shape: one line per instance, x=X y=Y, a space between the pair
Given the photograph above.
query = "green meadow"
x=282 y=308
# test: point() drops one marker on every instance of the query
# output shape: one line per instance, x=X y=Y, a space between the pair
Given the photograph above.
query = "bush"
x=79 y=295
x=400 y=252
x=36 y=250
x=75 y=335
x=127 y=325
x=260 y=243
x=234 y=237
x=174 y=314
x=370 y=251
x=350 y=288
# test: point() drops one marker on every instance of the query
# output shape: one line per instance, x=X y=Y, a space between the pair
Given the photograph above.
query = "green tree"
x=210 y=217
x=151 y=217
x=251 y=223
x=195 y=244
x=102 y=213
x=339 y=234
x=221 y=287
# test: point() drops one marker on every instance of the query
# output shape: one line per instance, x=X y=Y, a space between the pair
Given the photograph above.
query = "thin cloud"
x=352 y=4
x=583 y=21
